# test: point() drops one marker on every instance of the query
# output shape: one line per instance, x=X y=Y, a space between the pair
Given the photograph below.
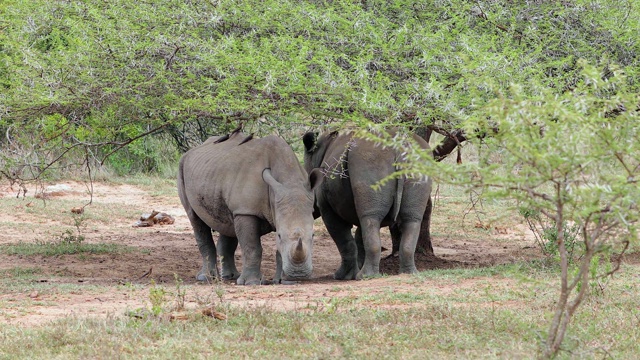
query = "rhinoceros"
x=245 y=187
x=346 y=198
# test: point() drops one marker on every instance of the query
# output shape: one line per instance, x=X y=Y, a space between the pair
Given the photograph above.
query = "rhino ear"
x=316 y=176
x=309 y=140
x=269 y=179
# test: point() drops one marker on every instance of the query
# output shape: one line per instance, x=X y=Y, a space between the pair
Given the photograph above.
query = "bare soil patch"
x=163 y=252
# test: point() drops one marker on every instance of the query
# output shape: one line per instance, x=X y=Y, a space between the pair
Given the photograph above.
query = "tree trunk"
x=448 y=144
x=424 y=239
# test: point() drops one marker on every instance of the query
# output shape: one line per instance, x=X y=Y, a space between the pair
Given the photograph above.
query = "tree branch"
x=120 y=145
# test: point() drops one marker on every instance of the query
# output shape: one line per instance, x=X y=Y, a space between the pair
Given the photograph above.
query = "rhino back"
x=353 y=166
x=224 y=179
x=335 y=191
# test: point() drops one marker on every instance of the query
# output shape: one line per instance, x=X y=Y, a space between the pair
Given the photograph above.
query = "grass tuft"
x=54 y=248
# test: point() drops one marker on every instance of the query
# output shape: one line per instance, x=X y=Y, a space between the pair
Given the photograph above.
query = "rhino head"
x=292 y=211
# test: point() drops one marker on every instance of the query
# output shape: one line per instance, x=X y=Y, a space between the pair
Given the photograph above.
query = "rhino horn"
x=299 y=253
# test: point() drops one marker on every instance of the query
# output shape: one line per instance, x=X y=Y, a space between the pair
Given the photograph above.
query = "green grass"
x=20 y=272
x=544 y=267
x=164 y=185
x=263 y=333
x=56 y=215
x=28 y=284
x=456 y=212
x=487 y=318
x=487 y=312
x=57 y=248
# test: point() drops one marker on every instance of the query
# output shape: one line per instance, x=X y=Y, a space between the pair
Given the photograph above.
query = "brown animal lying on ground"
x=154 y=218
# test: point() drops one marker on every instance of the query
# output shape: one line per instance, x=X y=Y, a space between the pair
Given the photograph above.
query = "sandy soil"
x=168 y=251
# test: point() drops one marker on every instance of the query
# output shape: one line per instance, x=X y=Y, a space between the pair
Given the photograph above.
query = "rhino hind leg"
x=407 y=249
x=207 y=248
x=247 y=229
x=360 y=245
x=227 y=246
x=372 y=247
x=396 y=235
x=340 y=232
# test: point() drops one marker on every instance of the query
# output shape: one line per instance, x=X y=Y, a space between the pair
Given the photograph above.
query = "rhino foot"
x=230 y=276
x=368 y=272
x=346 y=272
x=249 y=280
x=205 y=277
x=408 y=270
x=289 y=282
x=229 y=270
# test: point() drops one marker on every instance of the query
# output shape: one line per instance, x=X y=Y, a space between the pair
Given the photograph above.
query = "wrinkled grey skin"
x=345 y=198
x=243 y=188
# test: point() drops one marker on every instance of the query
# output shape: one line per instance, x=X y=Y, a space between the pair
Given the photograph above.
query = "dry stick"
x=484 y=16
x=583 y=277
x=59 y=157
x=123 y=144
x=169 y=61
x=119 y=145
x=86 y=153
x=475 y=202
x=565 y=308
x=553 y=345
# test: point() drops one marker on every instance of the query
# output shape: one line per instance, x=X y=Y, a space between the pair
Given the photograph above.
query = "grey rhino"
x=243 y=188
x=346 y=198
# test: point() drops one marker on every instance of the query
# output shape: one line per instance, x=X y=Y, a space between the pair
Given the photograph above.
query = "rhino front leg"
x=207 y=248
x=247 y=230
x=278 y=276
x=277 y=279
x=227 y=246
x=340 y=232
x=372 y=247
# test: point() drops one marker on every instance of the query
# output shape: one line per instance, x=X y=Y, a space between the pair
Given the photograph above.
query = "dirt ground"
x=110 y=284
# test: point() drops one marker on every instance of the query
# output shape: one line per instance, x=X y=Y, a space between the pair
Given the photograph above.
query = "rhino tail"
x=395 y=209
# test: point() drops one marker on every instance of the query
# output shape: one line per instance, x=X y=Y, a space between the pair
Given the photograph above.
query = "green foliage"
x=570 y=157
x=546 y=235
x=180 y=293
x=574 y=152
x=157 y=298
x=549 y=86
x=86 y=78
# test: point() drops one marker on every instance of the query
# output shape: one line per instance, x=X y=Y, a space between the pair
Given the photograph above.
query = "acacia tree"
x=80 y=80
x=87 y=78
x=577 y=160
x=573 y=158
